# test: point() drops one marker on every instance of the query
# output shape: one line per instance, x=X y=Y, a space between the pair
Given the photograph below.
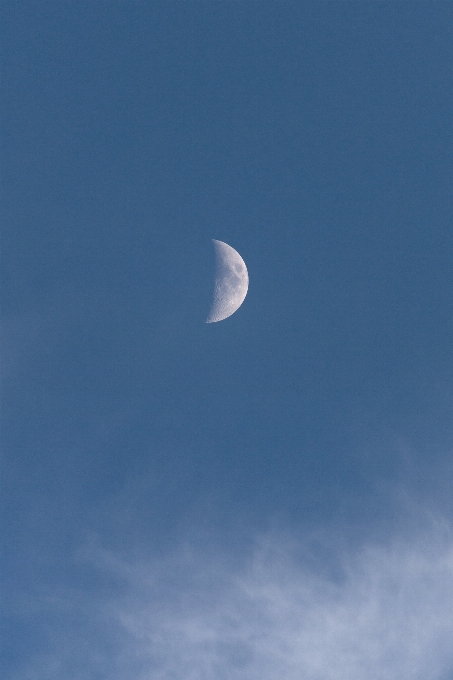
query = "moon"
x=231 y=282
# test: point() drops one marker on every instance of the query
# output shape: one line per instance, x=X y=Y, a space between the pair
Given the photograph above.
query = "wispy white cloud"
x=377 y=612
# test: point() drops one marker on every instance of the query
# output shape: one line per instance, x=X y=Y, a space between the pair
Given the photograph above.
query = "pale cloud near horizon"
x=383 y=611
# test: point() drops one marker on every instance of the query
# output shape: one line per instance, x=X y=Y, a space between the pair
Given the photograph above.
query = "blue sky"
x=268 y=496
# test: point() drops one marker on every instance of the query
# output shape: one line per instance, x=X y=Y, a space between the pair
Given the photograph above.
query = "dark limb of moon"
x=231 y=282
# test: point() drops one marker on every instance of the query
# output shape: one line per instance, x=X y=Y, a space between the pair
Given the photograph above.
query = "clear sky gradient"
x=268 y=497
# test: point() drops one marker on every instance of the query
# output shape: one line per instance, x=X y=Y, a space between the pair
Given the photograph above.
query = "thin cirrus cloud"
x=383 y=613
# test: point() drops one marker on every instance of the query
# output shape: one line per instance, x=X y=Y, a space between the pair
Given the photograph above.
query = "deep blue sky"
x=316 y=139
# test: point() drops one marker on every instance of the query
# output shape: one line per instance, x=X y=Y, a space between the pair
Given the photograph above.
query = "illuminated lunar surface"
x=231 y=282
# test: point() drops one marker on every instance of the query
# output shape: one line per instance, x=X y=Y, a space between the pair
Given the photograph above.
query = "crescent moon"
x=231 y=282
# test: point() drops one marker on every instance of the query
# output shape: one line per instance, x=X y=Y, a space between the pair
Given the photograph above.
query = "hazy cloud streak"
x=387 y=614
